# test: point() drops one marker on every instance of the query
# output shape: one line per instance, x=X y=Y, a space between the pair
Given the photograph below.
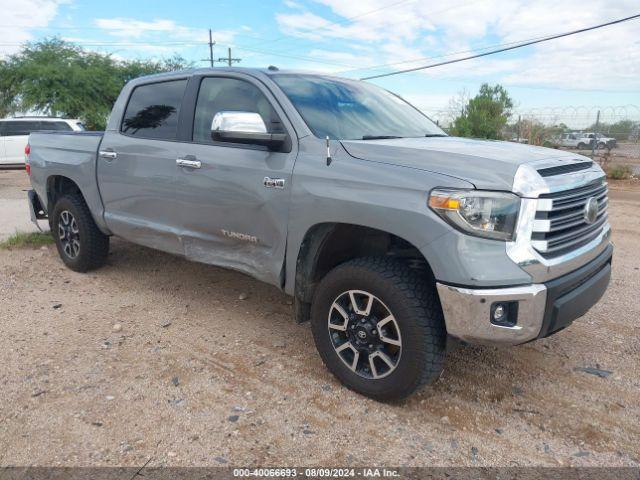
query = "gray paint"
x=227 y=193
x=138 y=190
x=146 y=198
x=488 y=164
x=71 y=155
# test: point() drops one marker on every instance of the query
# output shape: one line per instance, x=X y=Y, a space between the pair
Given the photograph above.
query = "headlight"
x=480 y=213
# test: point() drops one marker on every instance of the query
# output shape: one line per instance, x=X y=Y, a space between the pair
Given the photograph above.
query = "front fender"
x=385 y=197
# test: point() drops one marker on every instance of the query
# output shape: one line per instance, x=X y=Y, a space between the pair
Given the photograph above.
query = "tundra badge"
x=240 y=236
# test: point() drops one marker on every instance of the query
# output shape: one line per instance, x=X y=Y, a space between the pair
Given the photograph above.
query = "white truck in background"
x=14 y=134
x=585 y=140
x=601 y=140
x=575 y=140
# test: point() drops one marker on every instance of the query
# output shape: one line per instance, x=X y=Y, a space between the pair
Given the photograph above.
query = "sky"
x=571 y=77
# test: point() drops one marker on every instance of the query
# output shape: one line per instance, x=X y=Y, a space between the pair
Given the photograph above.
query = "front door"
x=236 y=204
x=137 y=168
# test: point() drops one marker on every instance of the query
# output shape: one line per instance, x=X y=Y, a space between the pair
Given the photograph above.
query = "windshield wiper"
x=379 y=137
x=435 y=135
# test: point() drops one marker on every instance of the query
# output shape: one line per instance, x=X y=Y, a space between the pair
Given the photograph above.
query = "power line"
x=433 y=57
x=295 y=57
x=118 y=44
x=492 y=52
x=343 y=22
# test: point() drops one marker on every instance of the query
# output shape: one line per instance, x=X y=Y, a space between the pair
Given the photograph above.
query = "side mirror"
x=244 y=127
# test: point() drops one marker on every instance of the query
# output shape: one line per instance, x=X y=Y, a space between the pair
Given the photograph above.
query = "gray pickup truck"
x=391 y=236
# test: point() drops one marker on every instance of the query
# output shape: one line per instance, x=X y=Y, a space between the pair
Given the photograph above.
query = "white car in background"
x=603 y=142
x=577 y=140
x=14 y=134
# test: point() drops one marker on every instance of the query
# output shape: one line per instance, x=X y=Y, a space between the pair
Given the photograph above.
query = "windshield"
x=353 y=110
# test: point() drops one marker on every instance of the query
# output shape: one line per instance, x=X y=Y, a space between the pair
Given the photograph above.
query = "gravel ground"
x=14 y=209
x=156 y=359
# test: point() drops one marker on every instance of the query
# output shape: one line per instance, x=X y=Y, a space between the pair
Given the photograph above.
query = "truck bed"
x=66 y=154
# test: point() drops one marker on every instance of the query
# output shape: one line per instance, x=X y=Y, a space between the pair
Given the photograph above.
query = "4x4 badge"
x=273 y=182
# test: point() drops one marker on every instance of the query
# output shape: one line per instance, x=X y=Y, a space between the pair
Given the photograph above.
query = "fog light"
x=504 y=314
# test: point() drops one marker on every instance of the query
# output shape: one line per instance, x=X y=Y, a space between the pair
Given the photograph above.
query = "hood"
x=488 y=164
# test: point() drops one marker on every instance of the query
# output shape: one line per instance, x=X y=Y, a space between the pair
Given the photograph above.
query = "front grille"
x=560 y=225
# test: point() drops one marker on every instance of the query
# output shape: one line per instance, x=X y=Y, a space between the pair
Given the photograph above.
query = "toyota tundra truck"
x=391 y=236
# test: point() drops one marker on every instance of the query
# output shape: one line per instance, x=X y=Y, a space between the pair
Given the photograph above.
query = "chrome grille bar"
x=565 y=221
x=560 y=223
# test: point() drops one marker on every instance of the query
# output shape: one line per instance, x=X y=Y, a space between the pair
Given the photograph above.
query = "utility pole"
x=595 y=136
x=230 y=60
x=211 y=44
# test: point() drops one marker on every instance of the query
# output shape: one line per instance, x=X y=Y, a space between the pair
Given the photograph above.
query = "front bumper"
x=540 y=309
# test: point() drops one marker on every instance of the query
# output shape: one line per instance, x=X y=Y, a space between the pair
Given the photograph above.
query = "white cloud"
x=607 y=58
x=167 y=30
x=20 y=18
x=292 y=4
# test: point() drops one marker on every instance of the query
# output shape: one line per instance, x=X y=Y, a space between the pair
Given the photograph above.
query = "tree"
x=457 y=106
x=485 y=115
x=58 y=78
x=621 y=130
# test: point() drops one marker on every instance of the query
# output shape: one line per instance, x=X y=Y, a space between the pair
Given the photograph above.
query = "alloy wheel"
x=69 y=234
x=365 y=334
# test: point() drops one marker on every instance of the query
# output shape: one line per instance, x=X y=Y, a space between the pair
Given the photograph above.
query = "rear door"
x=137 y=167
x=235 y=206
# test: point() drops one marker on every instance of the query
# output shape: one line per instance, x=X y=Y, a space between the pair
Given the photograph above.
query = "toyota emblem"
x=591 y=210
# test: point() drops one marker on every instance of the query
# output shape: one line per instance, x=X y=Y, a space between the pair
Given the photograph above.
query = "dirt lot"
x=197 y=376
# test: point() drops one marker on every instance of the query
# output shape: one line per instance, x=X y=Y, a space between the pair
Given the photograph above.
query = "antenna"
x=328 y=152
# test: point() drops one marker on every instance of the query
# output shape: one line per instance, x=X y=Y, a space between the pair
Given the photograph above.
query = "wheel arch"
x=327 y=245
x=58 y=185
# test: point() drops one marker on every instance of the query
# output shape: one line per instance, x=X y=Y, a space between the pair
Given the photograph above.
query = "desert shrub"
x=619 y=172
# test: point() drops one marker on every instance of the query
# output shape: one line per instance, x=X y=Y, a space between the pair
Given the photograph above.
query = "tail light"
x=27 y=166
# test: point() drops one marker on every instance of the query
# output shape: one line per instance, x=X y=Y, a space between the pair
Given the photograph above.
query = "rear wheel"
x=581 y=146
x=81 y=245
x=378 y=327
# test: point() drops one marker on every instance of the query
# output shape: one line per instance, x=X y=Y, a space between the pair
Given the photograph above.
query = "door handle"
x=183 y=162
x=108 y=154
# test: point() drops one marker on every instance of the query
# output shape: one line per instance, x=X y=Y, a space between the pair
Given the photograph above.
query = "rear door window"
x=153 y=109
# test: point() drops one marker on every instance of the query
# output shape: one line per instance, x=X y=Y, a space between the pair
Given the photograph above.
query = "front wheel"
x=379 y=328
x=81 y=245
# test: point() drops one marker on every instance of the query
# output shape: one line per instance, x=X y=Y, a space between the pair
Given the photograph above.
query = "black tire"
x=581 y=146
x=414 y=304
x=93 y=245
